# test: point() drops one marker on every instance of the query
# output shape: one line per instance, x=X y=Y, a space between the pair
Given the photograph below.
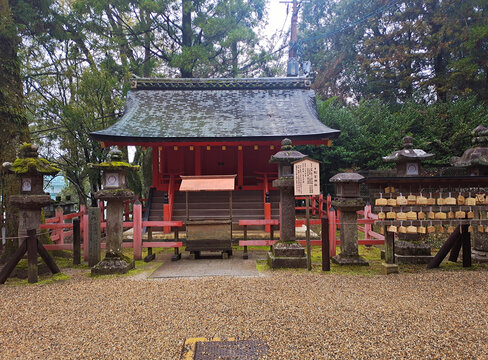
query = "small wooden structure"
x=208 y=234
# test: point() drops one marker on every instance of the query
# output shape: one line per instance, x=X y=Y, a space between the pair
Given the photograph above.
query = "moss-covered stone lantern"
x=30 y=170
x=408 y=160
x=287 y=253
x=348 y=201
x=114 y=192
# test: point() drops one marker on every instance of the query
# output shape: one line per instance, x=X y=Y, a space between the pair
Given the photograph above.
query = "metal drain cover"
x=230 y=350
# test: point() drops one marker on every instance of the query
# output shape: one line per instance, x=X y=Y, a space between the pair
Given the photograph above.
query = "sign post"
x=307 y=182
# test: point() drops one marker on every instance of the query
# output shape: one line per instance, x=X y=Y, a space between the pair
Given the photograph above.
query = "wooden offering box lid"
x=208 y=183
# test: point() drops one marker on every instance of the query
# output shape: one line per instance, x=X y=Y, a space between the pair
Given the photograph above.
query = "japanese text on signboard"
x=307 y=178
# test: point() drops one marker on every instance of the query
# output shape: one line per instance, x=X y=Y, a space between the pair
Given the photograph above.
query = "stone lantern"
x=114 y=192
x=475 y=160
x=408 y=160
x=348 y=202
x=30 y=169
x=287 y=253
x=410 y=249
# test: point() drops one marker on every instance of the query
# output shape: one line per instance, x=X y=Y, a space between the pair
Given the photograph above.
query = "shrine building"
x=217 y=127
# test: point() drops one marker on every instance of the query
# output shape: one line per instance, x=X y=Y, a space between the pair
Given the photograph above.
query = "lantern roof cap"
x=346 y=177
x=407 y=153
x=478 y=154
x=30 y=163
x=287 y=154
x=115 y=162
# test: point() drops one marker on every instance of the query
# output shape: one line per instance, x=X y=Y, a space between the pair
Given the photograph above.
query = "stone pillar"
x=287 y=213
x=115 y=211
x=286 y=253
x=348 y=202
x=114 y=192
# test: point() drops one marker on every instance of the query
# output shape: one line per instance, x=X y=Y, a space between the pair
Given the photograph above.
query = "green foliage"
x=429 y=50
x=374 y=129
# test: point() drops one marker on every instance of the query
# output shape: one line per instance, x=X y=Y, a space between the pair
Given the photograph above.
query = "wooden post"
x=389 y=247
x=466 y=236
x=85 y=236
x=176 y=256
x=76 y=242
x=448 y=245
x=150 y=256
x=51 y=264
x=245 y=255
x=14 y=260
x=94 y=217
x=332 y=232
x=59 y=215
x=325 y=244
x=389 y=266
x=137 y=219
x=309 y=248
x=31 y=256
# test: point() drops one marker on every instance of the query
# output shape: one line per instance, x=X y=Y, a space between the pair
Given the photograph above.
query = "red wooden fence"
x=60 y=229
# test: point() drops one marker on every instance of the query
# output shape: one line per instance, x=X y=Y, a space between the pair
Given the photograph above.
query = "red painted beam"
x=162 y=223
x=162 y=244
x=276 y=143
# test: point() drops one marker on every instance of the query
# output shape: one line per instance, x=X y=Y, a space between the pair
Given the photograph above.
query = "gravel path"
x=441 y=315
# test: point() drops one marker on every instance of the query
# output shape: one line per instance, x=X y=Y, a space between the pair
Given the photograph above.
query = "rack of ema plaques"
x=427 y=205
x=208 y=234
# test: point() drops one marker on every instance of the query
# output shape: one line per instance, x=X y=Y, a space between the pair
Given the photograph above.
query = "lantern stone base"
x=287 y=255
x=349 y=260
x=114 y=263
x=411 y=253
x=389 y=269
x=478 y=256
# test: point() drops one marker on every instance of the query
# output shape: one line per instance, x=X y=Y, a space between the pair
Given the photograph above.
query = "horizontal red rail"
x=56 y=226
x=162 y=223
x=162 y=244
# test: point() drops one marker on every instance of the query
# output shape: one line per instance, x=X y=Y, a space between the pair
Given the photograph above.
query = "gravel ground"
x=432 y=315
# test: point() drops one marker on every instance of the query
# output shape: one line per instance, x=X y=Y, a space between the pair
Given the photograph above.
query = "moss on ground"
x=43 y=280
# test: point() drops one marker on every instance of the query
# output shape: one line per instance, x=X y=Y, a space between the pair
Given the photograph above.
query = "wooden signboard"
x=306 y=174
x=307 y=177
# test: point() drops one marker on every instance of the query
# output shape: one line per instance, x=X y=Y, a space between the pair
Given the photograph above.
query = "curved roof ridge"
x=220 y=83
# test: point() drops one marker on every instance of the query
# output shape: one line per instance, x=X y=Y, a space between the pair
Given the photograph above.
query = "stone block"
x=389 y=269
x=275 y=262
x=349 y=260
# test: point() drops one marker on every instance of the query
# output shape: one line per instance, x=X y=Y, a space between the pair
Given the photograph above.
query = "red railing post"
x=59 y=216
x=332 y=232
x=101 y=205
x=137 y=230
x=367 y=227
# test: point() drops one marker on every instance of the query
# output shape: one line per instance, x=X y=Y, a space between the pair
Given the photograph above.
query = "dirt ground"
x=300 y=315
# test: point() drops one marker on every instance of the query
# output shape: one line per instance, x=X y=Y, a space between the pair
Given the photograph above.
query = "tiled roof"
x=218 y=109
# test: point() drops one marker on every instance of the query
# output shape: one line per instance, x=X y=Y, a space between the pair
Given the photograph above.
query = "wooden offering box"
x=208 y=234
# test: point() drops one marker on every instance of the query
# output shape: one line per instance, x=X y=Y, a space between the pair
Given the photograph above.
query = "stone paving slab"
x=209 y=264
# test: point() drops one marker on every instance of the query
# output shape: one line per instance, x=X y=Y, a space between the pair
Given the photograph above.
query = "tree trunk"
x=186 y=67
x=13 y=123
